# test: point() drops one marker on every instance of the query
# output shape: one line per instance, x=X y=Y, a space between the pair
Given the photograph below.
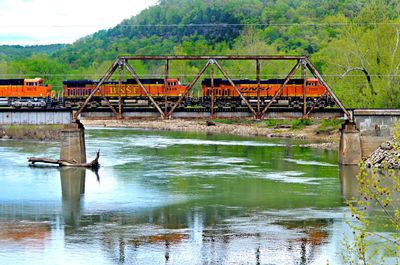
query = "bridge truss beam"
x=122 y=63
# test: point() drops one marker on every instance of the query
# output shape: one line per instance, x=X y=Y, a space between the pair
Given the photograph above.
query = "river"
x=173 y=198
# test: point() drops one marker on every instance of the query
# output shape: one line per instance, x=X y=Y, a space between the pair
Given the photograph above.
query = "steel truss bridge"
x=121 y=64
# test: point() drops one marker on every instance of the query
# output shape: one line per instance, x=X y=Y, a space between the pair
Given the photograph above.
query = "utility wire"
x=208 y=25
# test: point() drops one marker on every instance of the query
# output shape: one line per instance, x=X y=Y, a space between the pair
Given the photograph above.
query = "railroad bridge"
x=213 y=63
x=354 y=143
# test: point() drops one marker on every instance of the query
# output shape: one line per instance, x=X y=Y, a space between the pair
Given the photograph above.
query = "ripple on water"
x=290 y=177
x=310 y=163
x=162 y=142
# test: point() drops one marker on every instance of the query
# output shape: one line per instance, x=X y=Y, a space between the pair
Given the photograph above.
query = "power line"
x=222 y=25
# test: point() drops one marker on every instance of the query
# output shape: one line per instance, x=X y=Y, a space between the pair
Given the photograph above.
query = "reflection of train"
x=33 y=93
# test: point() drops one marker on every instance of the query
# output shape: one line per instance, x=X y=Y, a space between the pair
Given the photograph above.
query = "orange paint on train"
x=29 y=88
x=111 y=89
x=313 y=89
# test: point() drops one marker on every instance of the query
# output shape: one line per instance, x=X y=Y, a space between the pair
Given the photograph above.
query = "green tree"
x=376 y=230
x=364 y=61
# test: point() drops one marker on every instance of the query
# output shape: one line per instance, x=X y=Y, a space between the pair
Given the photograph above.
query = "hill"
x=352 y=42
x=16 y=52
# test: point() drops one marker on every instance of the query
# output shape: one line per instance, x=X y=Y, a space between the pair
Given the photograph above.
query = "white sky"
x=30 y=22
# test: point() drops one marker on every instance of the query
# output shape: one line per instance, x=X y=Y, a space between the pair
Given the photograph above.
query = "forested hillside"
x=353 y=43
x=16 y=52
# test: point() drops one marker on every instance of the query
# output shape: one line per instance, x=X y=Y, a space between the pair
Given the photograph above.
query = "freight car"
x=25 y=93
x=291 y=95
x=76 y=91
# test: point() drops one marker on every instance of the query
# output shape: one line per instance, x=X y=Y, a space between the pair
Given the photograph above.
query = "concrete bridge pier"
x=73 y=143
x=350 y=151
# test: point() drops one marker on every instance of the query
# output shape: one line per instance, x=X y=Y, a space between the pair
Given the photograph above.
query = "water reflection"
x=213 y=233
x=180 y=199
x=72 y=187
x=348 y=181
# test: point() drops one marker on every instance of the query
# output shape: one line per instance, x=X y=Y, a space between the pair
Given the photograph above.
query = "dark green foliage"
x=16 y=52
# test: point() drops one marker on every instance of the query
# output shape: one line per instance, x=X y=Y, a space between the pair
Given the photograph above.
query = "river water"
x=173 y=198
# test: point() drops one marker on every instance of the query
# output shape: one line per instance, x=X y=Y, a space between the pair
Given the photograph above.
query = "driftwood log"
x=66 y=163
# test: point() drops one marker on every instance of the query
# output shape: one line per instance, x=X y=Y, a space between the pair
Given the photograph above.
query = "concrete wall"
x=375 y=127
x=35 y=117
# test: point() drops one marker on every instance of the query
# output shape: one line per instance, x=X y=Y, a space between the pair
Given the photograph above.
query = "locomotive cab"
x=36 y=88
x=33 y=82
x=174 y=87
x=312 y=82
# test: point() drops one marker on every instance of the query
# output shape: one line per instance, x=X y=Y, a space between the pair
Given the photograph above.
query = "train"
x=34 y=93
x=29 y=93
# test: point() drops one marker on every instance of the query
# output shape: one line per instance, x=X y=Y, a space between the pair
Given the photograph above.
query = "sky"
x=37 y=22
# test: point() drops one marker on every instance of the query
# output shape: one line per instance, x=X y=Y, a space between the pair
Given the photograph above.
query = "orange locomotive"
x=33 y=93
x=291 y=95
x=76 y=91
x=24 y=93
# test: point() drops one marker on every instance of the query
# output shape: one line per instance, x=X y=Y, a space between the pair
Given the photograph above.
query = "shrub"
x=329 y=125
x=300 y=123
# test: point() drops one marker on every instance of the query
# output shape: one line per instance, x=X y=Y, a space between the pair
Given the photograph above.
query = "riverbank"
x=31 y=132
x=323 y=134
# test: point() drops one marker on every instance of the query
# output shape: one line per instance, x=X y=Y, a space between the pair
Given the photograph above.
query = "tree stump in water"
x=66 y=163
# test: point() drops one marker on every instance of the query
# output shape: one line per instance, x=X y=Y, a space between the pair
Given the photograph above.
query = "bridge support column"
x=73 y=143
x=350 y=145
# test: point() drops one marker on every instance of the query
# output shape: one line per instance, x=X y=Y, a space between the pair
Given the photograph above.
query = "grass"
x=232 y=121
x=274 y=122
x=301 y=123
x=269 y=123
x=329 y=126
x=37 y=132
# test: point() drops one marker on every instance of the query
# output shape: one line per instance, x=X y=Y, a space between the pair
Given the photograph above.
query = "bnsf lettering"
x=252 y=89
x=125 y=90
